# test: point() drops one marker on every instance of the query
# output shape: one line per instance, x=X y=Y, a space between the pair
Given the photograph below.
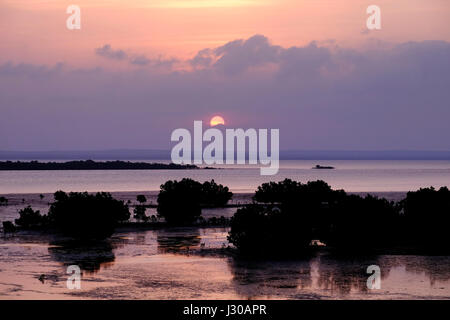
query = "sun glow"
x=216 y=121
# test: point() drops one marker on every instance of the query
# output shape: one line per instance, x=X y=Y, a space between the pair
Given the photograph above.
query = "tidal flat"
x=193 y=263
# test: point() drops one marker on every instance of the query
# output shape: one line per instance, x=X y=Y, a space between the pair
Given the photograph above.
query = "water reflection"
x=201 y=268
x=253 y=279
x=90 y=256
x=179 y=240
x=328 y=276
x=342 y=274
x=434 y=268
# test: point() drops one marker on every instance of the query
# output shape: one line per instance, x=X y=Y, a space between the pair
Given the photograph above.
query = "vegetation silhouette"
x=91 y=165
x=139 y=213
x=87 y=216
x=426 y=219
x=288 y=215
x=3 y=201
x=287 y=218
x=8 y=227
x=284 y=220
x=180 y=202
x=360 y=224
x=30 y=218
x=141 y=198
x=214 y=195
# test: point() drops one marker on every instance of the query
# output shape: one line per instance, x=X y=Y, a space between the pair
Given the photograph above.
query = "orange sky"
x=34 y=31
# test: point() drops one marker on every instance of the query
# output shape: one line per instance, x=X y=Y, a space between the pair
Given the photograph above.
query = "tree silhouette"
x=426 y=219
x=87 y=216
x=291 y=214
x=3 y=201
x=180 y=202
x=30 y=218
x=141 y=198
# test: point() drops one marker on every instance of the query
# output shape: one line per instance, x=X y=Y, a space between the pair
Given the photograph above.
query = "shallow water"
x=191 y=264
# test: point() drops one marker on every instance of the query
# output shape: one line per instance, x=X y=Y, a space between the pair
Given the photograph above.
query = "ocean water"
x=353 y=176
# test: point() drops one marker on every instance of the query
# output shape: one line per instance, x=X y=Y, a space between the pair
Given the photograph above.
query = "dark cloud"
x=107 y=52
x=138 y=60
x=320 y=96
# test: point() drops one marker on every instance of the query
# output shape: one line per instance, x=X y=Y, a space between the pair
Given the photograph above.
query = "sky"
x=137 y=70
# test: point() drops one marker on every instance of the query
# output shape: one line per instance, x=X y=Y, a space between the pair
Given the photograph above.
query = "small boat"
x=322 y=167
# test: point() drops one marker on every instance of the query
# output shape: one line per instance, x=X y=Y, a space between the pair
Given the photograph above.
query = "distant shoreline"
x=92 y=165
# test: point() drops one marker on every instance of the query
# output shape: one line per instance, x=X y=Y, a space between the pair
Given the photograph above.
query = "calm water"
x=190 y=263
x=374 y=176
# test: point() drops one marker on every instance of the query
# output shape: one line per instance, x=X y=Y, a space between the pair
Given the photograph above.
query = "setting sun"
x=216 y=121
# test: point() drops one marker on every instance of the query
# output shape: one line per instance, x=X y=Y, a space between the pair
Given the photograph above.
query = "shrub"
x=30 y=218
x=426 y=219
x=215 y=195
x=266 y=230
x=180 y=202
x=87 y=216
x=3 y=201
x=296 y=213
x=8 y=226
x=362 y=224
x=314 y=193
x=139 y=213
x=141 y=198
x=277 y=192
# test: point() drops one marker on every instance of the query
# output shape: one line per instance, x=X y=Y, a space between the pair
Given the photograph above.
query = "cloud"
x=107 y=52
x=239 y=55
x=140 y=60
x=320 y=96
x=134 y=59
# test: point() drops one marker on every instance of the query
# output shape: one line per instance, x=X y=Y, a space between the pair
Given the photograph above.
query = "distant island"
x=92 y=165
x=322 y=167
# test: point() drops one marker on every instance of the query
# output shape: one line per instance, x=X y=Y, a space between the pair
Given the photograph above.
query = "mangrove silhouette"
x=87 y=216
x=288 y=215
x=141 y=198
x=92 y=165
x=30 y=218
x=180 y=202
x=426 y=219
x=139 y=213
x=3 y=201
